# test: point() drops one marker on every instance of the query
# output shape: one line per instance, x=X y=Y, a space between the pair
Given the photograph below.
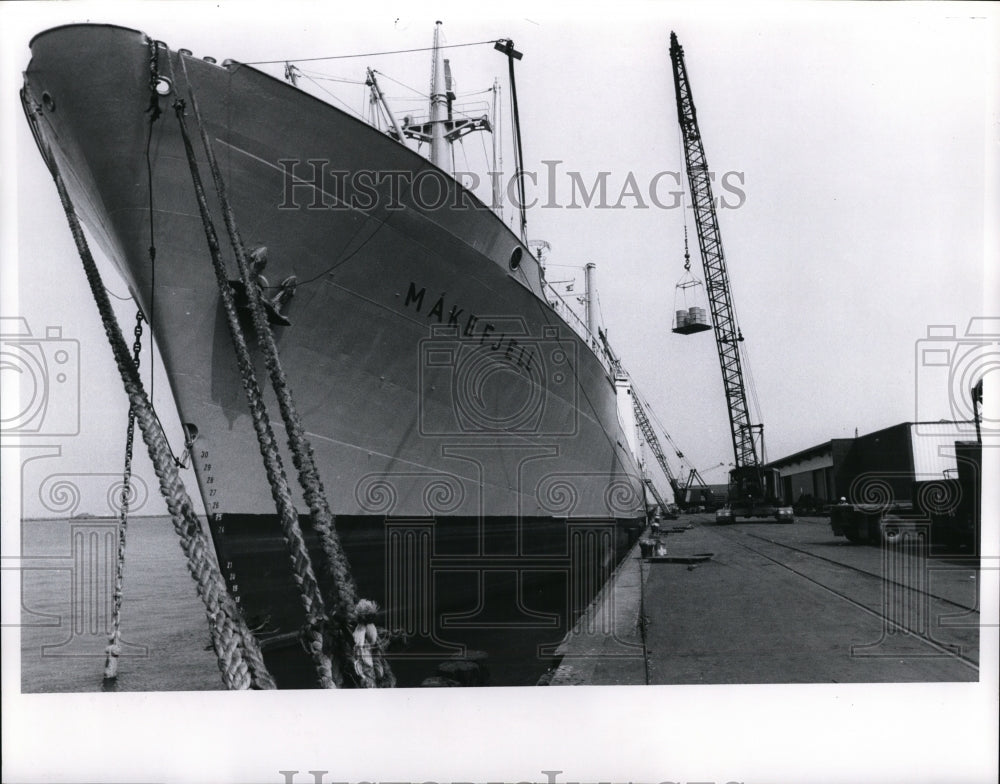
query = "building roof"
x=827 y=446
x=805 y=454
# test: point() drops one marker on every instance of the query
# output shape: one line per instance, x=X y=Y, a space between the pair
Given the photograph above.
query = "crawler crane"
x=747 y=489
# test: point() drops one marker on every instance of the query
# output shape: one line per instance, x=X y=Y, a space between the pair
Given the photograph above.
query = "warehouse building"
x=871 y=467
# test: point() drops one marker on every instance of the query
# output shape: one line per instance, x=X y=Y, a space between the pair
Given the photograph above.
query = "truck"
x=910 y=477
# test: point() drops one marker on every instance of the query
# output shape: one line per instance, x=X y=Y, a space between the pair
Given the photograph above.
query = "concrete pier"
x=778 y=603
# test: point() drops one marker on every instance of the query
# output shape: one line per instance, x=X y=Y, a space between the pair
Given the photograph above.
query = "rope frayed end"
x=369 y=660
x=113 y=651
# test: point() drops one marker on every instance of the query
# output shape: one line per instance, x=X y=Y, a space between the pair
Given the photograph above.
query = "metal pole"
x=497 y=198
x=438 y=107
x=377 y=91
x=590 y=298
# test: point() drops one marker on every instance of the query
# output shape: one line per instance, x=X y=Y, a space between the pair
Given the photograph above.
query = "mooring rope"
x=352 y=621
x=302 y=571
x=114 y=641
x=238 y=654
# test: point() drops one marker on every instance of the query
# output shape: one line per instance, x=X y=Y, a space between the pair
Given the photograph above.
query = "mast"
x=497 y=164
x=590 y=296
x=438 y=107
x=441 y=128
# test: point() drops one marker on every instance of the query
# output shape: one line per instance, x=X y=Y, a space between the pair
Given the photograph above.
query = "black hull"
x=434 y=379
x=507 y=587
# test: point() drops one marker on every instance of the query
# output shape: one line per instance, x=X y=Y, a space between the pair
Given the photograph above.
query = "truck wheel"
x=853 y=536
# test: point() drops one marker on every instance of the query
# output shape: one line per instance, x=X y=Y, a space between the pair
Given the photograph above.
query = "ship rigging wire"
x=339 y=100
x=425 y=97
x=348 y=257
x=327 y=78
x=368 y=54
x=377 y=116
x=422 y=96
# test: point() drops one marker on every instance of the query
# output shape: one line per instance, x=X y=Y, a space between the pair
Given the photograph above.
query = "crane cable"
x=751 y=383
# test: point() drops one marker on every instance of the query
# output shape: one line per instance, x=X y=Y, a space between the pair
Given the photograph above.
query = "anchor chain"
x=114 y=641
x=154 y=80
x=238 y=654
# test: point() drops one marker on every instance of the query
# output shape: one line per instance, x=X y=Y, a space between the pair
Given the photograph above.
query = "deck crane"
x=746 y=480
x=646 y=428
x=660 y=502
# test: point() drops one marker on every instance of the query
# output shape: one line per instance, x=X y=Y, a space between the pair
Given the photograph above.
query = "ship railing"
x=466 y=109
x=472 y=108
x=565 y=311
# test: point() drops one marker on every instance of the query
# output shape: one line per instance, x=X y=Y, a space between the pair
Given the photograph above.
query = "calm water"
x=66 y=590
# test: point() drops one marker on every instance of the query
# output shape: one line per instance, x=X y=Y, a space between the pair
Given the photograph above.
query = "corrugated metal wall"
x=934 y=449
x=878 y=467
x=875 y=467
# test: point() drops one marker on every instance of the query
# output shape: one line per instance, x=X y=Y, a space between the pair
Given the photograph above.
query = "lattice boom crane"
x=746 y=478
x=646 y=428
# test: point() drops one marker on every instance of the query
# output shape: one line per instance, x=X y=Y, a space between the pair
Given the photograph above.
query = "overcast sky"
x=853 y=146
x=863 y=138
x=852 y=141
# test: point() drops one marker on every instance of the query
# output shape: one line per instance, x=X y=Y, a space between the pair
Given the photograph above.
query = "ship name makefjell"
x=515 y=349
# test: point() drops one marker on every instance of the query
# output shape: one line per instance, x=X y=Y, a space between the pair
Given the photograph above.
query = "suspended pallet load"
x=690 y=300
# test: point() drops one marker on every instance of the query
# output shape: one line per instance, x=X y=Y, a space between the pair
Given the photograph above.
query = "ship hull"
x=456 y=420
